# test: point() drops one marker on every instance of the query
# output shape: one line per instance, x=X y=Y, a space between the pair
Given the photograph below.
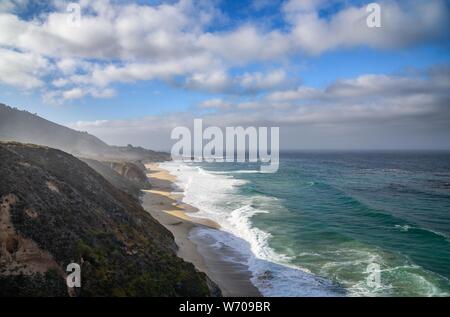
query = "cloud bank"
x=244 y=65
x=179 y=43
x=367 y=112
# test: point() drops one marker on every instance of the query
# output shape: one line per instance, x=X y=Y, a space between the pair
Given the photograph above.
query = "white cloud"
x=75 y=93
x=103 y=93
x=260 y=81
x=120 y=42
x=22 y=70
x=59 y=96
x=403 y=24
x=69 y=66
x=289 y=95
x=248 y=82
x=246 y=44
x=132 y=72
x=215 y=103
x=331 y=117
x=214 y=81
x=370 y=86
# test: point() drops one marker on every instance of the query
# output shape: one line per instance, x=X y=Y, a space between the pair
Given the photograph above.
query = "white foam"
x=403 y=228
x=217 y=198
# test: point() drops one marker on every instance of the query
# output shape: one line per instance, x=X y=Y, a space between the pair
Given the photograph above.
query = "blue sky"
x=312 y=66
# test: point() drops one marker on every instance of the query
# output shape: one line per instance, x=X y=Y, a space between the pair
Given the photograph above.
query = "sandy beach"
x=167 y=208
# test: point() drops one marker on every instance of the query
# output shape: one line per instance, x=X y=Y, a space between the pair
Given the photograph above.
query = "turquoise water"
x=333 y=214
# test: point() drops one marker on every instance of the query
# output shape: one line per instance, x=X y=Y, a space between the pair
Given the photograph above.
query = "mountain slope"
x=22 y=126
x=54 y=210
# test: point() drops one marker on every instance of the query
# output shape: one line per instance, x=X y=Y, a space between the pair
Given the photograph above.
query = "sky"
x=130 y=71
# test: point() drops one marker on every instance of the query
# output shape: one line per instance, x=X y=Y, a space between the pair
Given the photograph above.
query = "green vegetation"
x=82 y=218
x=36 y=285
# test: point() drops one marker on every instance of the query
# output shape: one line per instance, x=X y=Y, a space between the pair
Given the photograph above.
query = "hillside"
x=127 y=176
x=113 y=177
x=23 y=126
x=55 y=209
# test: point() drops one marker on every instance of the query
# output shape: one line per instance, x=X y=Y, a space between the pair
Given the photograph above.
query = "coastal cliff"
x=56 y=210
x=127 y=176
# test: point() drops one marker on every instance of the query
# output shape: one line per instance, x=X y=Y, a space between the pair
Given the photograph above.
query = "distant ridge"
x=23 y=126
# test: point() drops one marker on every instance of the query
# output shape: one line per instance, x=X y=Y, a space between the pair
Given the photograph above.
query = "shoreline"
x=168 y=209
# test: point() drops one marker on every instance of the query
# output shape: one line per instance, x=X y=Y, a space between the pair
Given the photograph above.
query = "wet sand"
x=179 y=218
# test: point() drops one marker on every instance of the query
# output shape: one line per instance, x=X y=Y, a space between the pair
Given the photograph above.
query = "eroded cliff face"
x=19 y=255
x=56 y=210
x=132 y=172
x=116 y=179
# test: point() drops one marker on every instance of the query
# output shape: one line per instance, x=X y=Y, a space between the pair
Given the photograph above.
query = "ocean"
x=318 y=225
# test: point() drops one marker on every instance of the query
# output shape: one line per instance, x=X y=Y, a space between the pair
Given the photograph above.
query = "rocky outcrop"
x=132 y=172
x=112 y=176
